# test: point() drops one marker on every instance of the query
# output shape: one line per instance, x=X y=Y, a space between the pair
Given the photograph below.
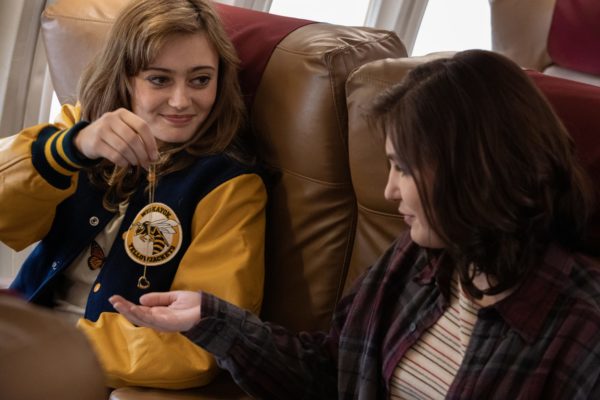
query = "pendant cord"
x=143 y=282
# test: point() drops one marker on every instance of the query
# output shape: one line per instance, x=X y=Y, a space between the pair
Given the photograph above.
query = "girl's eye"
x=201 y=81
x=400 y=168
x=158 y=80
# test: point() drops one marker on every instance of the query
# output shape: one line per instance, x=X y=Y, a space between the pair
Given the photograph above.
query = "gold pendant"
x=154 y=236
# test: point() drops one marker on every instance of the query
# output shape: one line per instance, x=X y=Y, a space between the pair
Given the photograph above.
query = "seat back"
x=557 y=37
x=301 y=119
x=44 y=357
x=293 y=76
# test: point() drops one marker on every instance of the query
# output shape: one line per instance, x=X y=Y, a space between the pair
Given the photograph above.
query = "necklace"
x=154 y=236
x=143 y=282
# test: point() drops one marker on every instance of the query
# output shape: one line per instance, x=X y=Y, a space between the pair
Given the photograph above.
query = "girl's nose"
x=392 y=189
x=180 y=99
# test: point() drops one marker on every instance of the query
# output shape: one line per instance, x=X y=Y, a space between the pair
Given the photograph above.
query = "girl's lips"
x=408 y=218
x=178 y=119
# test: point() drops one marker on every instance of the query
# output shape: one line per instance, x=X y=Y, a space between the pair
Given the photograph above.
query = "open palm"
x=169 y=312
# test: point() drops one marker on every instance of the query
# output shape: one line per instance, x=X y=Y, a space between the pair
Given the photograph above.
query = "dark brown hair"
x=505 y=179
x=135 y=39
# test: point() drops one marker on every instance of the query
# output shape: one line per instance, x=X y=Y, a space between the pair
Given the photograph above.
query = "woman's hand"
x=169 y=311
x=119 y=136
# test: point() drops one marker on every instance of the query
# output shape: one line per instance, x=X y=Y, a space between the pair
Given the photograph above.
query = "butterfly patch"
x=96 y=258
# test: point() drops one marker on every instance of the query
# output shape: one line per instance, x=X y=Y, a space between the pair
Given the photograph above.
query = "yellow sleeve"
x=225 y=257
x=28 y=197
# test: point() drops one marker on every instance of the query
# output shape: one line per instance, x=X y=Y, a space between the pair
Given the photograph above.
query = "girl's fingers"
x=141 y=128
x=118 y=146
x=121 y=137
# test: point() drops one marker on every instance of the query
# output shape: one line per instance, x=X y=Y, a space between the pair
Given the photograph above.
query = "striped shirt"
x=428 y=368
x=540 y=342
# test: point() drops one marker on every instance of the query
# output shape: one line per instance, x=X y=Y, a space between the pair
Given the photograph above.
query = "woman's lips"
x=409 y=219
x=178 y=120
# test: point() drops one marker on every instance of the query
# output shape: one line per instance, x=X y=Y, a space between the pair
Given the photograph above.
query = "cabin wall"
x=25 y=88
x=10 y=15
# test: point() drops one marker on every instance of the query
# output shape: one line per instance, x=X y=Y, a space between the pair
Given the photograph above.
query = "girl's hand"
x=169 y=311
x=119 y=136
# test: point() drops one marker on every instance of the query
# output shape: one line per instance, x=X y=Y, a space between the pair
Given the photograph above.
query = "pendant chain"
x=143 y=282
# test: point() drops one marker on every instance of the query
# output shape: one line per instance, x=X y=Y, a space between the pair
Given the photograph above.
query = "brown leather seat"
x=43 y=357
x=300 y=118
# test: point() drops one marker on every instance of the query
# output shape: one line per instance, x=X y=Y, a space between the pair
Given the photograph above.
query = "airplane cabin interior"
x=305 y=83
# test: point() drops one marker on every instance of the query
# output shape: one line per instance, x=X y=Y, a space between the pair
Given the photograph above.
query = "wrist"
x=70 y=148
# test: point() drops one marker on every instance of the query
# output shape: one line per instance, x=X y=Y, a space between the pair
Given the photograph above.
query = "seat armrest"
x=222 y=387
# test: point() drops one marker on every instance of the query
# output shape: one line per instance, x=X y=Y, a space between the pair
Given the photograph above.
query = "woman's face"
x=176 y=93
x=402 y=189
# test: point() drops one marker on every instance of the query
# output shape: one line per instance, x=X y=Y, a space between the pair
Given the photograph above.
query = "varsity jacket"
x=207 y=229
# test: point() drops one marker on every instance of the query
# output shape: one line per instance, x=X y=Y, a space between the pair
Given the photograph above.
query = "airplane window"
x=54 y=107
x=354 y=11
x=454 y=26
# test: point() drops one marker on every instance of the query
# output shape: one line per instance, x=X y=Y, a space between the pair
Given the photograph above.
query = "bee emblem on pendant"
x=154 y=236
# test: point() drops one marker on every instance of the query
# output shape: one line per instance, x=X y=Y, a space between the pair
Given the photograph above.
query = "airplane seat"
x=43 y=357
x=576 y=104
x=293 y=75
x=556 y=37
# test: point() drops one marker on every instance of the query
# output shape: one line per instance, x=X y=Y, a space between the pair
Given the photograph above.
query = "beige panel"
x=520 y=30
x=73 y=35
x=573 y=75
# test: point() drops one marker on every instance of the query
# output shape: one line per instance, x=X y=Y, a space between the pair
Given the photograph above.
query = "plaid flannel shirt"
x=541 y=342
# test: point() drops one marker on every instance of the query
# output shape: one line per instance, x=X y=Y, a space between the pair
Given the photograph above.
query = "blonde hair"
x=134 y=41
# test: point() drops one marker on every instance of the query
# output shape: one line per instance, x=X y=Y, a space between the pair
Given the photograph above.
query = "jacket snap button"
x=412 y=327
x=97 y=287
x=94 y=221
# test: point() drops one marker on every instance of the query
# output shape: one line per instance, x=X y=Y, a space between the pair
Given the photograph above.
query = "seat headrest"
x=577 y=106
x=255 y=35
x=574 y=38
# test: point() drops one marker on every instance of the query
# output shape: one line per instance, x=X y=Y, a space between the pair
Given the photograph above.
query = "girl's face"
x=176 y=93
x=401 y=188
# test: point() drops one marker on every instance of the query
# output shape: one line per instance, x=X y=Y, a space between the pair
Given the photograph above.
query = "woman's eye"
x=401 y=169
x=201 y=81
x=158 y=80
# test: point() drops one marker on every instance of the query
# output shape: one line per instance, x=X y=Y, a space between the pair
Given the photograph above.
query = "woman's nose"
x=179 y=98
x=392 y=189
